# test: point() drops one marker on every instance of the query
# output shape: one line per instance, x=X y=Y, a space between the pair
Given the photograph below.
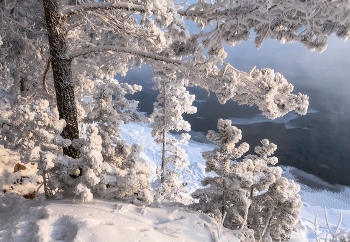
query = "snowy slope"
x=108 y=220
x=102 y=220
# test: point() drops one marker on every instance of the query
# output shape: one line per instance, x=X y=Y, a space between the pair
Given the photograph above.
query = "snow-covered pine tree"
x=63 y=35
x=274 y=200
x=63 y=174
x=217 y=198
x=97 y=38
x=108 y=108
x=250 y=191
x=173 y=101
x=134 y=184
x=173 y=187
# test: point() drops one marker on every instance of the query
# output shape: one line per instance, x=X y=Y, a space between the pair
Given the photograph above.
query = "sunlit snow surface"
x=103 y=221
x=107 y=220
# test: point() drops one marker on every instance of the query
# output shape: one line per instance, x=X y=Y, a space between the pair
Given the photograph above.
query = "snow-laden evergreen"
x=172 y=102
x=247 y=192
x=104 y=160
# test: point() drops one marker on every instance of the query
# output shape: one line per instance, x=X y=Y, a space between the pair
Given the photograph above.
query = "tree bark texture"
x=62 y=74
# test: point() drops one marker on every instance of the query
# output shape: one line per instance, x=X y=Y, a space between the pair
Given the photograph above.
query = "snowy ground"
x=24 y=220
x=102 y=220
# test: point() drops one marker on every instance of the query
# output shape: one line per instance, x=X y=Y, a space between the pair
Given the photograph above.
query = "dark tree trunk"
x=223 y=208
x=62 y=74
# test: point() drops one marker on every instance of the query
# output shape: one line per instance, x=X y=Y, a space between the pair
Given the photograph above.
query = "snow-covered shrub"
x=250 y=191
x=334 y=234
x=35 y=131
x=109 y=107
x=173 y=188
x=85 y=175
x=23 y=181
x=134 y=176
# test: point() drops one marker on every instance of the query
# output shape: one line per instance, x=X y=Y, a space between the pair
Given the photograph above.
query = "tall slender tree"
x=173 y=101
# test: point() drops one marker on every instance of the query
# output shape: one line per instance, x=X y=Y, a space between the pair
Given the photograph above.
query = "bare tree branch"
x=45 y=74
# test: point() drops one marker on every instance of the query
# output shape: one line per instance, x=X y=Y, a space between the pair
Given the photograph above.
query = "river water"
x=317 y=143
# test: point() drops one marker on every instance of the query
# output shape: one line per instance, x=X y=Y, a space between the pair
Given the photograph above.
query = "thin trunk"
x=62 y=74
x=267 y=224
x=47 y=196
x=163 y=157
x=164 y=137
x=247 y=203
x=223 y=209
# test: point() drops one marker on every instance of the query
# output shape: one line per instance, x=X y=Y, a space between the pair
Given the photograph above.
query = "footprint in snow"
x=180 y=218
x=162 y=221
x=171 y=232
x=63 y=229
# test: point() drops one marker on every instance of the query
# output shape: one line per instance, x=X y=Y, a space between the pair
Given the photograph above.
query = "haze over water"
x=317 y=143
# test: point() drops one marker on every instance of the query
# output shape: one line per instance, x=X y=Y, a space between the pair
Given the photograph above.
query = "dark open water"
x=317 y=143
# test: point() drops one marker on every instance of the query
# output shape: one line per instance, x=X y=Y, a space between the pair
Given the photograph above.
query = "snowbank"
x=102 y=220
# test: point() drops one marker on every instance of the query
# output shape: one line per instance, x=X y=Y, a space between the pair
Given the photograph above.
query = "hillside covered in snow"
x=106 y=219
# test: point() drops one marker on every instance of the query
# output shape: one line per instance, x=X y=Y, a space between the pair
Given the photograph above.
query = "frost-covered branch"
x=70 y=10
x=308 y=22
x=336 y=234
x=144 y=54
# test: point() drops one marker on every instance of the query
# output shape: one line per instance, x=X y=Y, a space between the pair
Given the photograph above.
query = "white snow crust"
x=102 y=220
